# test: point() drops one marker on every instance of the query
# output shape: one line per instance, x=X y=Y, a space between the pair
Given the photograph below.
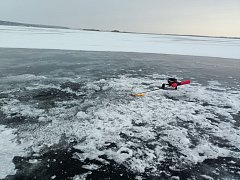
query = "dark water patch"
x=47 y=98
x=182 y=123
x=213 y=120
x=197 y=112
x=72 y=85
x=109 y=145
x=53 y=94
x=130 y=138
x=171 y=97
x=53 y=163
x=2 y=117
x=194 y=139
x=15 y=120
x=223 y=143
x=236 y=117
x=112 y=171
x=220 y=168
x=3 y=95
x=145 y=84
x=222 y=118
x=151 y=145
x=46 y=104
x=134 y=123
x=61 y=164
x=227 y=107
x=207 y=104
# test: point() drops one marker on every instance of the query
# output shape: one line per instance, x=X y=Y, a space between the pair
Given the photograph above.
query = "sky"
x=192 y=17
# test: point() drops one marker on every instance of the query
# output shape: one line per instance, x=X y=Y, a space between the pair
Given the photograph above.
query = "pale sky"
x=199 y=17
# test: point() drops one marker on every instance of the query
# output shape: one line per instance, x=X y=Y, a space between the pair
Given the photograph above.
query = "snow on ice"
x=139 y=127
x=67 y=39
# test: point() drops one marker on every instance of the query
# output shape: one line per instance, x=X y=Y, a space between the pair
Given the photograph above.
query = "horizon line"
x=116 y=30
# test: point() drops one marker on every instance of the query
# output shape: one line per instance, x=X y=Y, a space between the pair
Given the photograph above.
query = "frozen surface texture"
x=72 y=111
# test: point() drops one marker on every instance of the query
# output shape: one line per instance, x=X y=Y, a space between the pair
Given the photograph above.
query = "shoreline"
x=69 y=39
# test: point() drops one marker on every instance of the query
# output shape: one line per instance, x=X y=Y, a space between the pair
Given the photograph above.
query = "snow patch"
x=9 y=149
x=82 y=115
x=91 y=167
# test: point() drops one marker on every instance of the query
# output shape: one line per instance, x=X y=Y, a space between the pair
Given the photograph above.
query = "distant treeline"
x=9 y=23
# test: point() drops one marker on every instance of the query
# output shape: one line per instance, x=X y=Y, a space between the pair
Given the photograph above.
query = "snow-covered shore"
x=67 y=39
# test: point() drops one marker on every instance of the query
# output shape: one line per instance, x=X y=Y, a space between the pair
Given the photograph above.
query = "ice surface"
x=22 y=78
x=142 y=129
x=43 y=38
x=8 y=149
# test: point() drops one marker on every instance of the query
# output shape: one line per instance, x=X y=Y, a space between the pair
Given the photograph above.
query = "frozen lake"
x=67 y=114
